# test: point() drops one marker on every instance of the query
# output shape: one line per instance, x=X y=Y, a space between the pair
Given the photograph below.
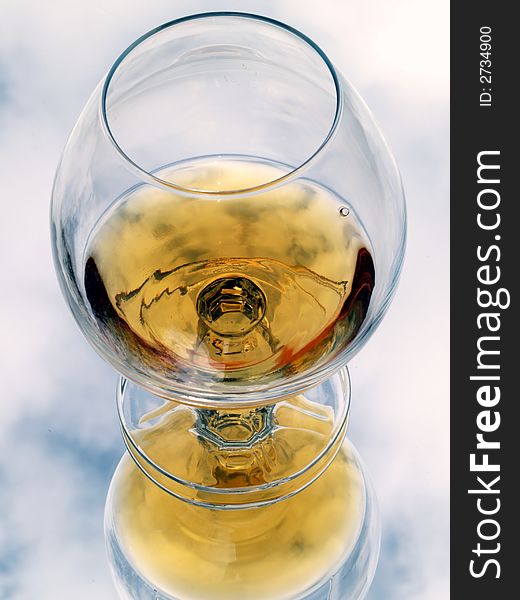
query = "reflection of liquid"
x=237 y=288
x=272 y=552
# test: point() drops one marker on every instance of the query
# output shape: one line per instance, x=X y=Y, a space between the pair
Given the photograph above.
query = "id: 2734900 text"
x=485 y=66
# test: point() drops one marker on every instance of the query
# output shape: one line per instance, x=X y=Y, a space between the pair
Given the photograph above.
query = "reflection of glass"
x=234 y=522
x=228 y=228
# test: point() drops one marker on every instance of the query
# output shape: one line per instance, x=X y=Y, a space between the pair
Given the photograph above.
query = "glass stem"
x=235 y=428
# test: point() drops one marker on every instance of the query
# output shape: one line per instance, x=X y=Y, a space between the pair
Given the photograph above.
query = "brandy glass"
x=228 y=228
x=228 y=223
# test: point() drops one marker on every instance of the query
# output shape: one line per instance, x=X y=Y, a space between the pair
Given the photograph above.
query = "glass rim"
x=331 y=448
x=151 y=177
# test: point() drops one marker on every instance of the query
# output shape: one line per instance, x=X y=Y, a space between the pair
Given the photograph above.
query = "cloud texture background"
x=59 y=437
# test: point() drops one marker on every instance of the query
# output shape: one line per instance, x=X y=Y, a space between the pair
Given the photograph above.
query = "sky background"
x=59 y=436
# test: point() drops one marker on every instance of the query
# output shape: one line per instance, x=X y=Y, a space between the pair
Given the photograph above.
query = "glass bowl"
x=228 y=223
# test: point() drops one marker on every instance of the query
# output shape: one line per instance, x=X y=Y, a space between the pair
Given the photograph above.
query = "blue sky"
x=59 y=439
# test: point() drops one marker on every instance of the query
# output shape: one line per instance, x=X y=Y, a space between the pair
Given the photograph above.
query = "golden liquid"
x=228 y=288
x=272 y=552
